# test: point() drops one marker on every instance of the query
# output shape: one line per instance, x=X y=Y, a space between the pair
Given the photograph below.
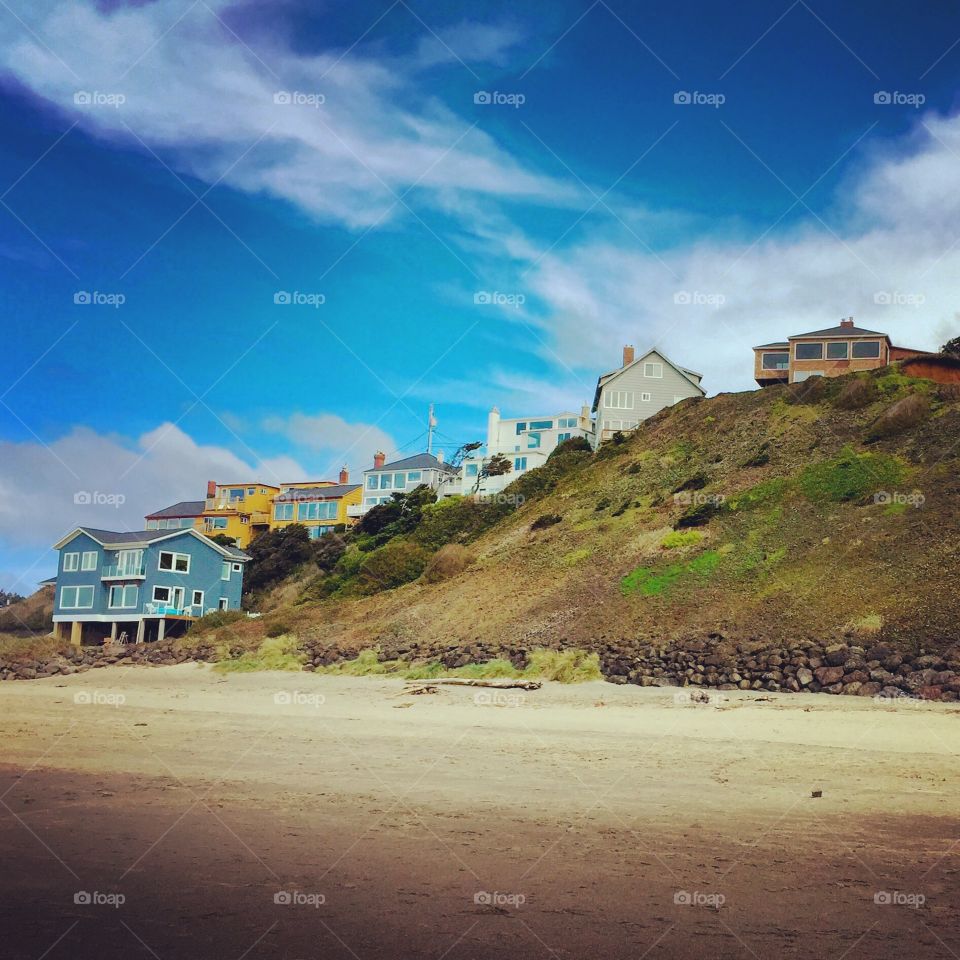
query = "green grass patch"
x=681 y=538
x=275 y=653
x=574 y=557
x=770 y=491
x=653 y=582
x=850 y=476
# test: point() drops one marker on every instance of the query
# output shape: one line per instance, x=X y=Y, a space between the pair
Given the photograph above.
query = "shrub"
x=449 y=561
x=327 y=551
x=393 y=565
x=572 y=445
x=699 y=515
x=695 y=482
x=856 y=394
x=849 y=476
x=545 y=520
x=399 y=515
x=278 y=629
x=459 y=519
x=602 y=504
x=564 y=666
x=274 y=555
x=681 y=539
x=907 y=412
x=275 y=653
x=216 y=619
x=540 y=481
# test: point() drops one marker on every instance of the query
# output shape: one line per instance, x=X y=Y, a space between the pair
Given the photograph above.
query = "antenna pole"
x=430 y=425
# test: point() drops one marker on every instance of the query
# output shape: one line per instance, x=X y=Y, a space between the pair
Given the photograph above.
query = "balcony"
x=260 y=518
x=154 y=609
x=124 y=571
x=355 y=510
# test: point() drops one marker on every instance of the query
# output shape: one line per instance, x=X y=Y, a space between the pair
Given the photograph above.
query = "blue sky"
x=150 y=157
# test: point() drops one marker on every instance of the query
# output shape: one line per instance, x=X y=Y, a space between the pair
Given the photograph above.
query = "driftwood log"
x=500 y=684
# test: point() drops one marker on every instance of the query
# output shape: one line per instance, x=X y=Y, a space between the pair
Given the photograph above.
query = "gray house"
x=401 y=476
x=141 y=583
x=641 y=387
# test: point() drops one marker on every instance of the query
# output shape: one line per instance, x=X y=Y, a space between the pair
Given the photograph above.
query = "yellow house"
x=319 y=505
x=240 y=511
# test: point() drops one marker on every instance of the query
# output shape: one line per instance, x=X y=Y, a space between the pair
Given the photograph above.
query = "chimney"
x=439 y=456
x=211 y=488
x=628 y=354
x=344 y=474
x=379 y=459
x=847 y=323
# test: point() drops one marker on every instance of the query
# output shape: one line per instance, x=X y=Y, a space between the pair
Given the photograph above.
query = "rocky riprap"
x=713 y=662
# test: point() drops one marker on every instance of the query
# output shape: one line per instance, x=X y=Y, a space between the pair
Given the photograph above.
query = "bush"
x=572 y=445
x=328 y=550
x=907 y=412
x=278 y=629
x=215 y=620
x=449 y=561
x=393 y=565
x=540 y=481
x=546 y=520
x=276 y=653
x=459 y=519
x=275 y=555
x=696 y=482
x=399 y=515
x=678 y=538
x=698 y=515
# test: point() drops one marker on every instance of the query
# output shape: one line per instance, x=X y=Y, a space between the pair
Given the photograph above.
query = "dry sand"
x=588 y=821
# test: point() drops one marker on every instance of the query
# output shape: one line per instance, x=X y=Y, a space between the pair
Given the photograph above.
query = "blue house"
x=142 y=583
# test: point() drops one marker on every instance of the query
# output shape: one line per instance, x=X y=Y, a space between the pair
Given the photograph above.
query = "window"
x=645 y=397
x=653 y=370
x=808 y=351
x=533 y=441
x=618 y=399
x=566 y=422
x=563 y=436
x=161 y=594
x=71 y=562
x=197 y=599
x=237 y=567
x=775 y=361
x=372 y=483
x=541 y=425
x=838 y=351
x=251 y=491
x=76 y=598
x=866 y=349
x=414 y=476
x=283 y=511
x=470 y=470
x=519 y=463
x=317 y=510
x=521 y=426
x=89 y=560
x=399 y=480
x=152 y=525
x=236 y=494
x=386 y=481
x=370 y=502
x=124 y=597
x=129 y=563
x=224 y=603
x=216 y=523
x=174 y=562
x=225 y=571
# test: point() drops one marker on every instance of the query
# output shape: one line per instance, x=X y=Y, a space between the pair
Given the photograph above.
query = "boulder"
x=829 y=675
x=804 y=676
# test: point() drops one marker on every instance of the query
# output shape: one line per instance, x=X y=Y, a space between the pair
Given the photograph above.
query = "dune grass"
x=275 y=653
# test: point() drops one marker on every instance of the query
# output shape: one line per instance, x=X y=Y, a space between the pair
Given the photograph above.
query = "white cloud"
x=40 y=484
x=205 y=100
x=342 y=442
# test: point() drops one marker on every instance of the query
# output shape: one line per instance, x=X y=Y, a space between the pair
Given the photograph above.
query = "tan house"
x=826 y=353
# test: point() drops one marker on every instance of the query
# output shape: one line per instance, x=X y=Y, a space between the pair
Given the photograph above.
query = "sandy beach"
x=171 y=812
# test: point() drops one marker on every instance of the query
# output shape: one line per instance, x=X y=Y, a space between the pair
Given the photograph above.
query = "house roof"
x=838 y=332
x=783 y=345
x=605 y=378
x=419 y=461
x=113 y=538
x=334 y=492
x=185 y=508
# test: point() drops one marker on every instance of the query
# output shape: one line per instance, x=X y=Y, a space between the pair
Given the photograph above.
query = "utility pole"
x=431 y=423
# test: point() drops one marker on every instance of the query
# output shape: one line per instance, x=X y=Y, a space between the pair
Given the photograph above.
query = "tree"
x=223 y=540
x=951 y=348
x=400 y=514
x=274 y=555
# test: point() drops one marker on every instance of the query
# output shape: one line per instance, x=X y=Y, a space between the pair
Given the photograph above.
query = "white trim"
x=78 y=587
x=83 y=560
x=184 y=531
x=193 y=597
x=647 y=397
x=173 y=568
x=123 y=588
x=74 y=565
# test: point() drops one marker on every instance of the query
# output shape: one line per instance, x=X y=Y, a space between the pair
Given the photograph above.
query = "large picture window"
x=174 y=562
x=283 y=511
x=124 y=597
x=808 y=351
x=838 y=351
x=866 y=350
x=775 y=361
x=317 y=510
x=618 y=399
x=76 y=598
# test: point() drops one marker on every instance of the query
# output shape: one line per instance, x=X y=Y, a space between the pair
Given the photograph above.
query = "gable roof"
x=334 y=492
x=113 y=538
x=782 y=345
x=839 y=332
x=185 y=508
x=419 y=461
x=606 y=378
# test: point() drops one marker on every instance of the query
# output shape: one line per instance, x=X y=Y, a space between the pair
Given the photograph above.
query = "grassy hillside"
x=803 y=513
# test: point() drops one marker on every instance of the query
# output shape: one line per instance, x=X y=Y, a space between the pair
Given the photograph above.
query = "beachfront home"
x=238 y=510
x=401 y=476
x=319 y=505
x=832 y=352
x=143 y=584
x=525 y=441
x=179 y=516
x=638 y=389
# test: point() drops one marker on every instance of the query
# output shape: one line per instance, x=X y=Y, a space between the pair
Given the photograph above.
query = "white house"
x=641 y=387
x=525 y=441
x=400 y=476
